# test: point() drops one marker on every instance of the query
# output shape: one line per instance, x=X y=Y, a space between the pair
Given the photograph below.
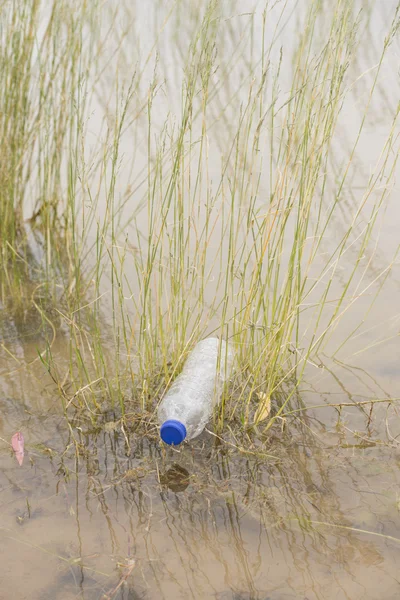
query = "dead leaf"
x=264 y=408
x=17 y=442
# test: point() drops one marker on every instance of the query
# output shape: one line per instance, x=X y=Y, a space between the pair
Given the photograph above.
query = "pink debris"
x=17 y=442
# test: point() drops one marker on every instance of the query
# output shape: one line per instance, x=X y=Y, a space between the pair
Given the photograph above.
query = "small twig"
x=240 y=448
x=82 y=389
x=126 y=438
x=340 y=405
x=124 y=577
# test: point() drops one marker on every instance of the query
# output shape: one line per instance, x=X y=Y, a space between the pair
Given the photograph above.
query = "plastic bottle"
x=187 y=407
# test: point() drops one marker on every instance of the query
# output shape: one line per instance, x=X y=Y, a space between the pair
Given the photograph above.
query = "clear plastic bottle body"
x=194 y=393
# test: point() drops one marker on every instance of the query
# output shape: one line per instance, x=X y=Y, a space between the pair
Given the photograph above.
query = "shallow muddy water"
x=309 y=512
x=313 y=512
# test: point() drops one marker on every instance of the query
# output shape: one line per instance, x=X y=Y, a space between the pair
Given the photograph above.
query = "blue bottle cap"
x=173 y=432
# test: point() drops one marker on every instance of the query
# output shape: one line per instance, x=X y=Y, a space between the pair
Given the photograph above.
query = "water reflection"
x=176 y=478
x=203 y=521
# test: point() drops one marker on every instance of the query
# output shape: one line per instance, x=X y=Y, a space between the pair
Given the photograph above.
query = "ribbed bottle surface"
x=194 y=393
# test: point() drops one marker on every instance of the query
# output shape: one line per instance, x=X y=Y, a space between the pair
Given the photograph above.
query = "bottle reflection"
x=176 y=478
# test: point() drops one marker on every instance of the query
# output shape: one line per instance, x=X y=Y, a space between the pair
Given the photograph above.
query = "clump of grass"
x=198 y=240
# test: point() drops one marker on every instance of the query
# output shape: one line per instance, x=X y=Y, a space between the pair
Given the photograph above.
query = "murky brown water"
x=311 y=513
x=318 y=519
